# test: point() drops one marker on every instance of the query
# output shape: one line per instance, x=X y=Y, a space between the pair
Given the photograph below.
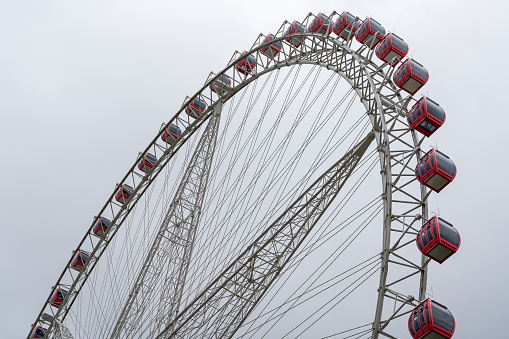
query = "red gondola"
x=221 y=84
x=171 y=134
x=391 y=49
x=366 y=33
x=296 y=27
x=38 y=332
x=196 y=107
x=426 y=116
x=272 y=49
x=57 y=297
x=101 y=226
x=247 y=64
x=438 y=239
x=321 y=24
x=124 y=193
x=346 y=26
x=431 y=320
x=410 y=76
x=79 y=260
x=147 y=162
x=435 y=170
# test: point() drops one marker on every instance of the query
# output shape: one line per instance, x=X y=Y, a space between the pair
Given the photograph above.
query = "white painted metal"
x=170 y=253
x=397 y=145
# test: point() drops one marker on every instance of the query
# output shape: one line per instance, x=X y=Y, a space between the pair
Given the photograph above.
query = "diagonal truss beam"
x=221 y=308
x=166 y=265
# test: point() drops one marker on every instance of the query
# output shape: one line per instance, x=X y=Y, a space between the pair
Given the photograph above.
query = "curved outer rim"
x=334 y=55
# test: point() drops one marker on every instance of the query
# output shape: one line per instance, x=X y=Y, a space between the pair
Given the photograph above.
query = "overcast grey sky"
x=83 y=84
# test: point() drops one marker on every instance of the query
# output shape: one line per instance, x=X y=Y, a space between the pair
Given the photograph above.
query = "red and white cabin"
x=391 y=49
x=101 y=226
x=431 y=320
x=346 y=26
x=247 y=64
x=435 y=170
x=273 y=49
x=321 y=24
x=438 y=239
x=147 y=162
x=221 y=85
x=410 y=76
x=426 y=116
x=80 y=259
x=58 y=297
x=367 y=32
x=296 y=27
x=124 y=193
x=196 y=108
x=38 y=332
x=171 y=134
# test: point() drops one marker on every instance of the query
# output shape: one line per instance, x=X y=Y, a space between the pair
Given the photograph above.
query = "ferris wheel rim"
x=297 y=59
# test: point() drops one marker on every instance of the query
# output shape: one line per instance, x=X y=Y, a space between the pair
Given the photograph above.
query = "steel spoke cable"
x=352 y=288
x=367 y=268
x=332 y=232
x=367 y=263
x=291 y=99
x=314 y=166
x=350 y=330
x=362 y=334
x=218 y=160
x=251 y=157
x=343 y=246
x=376 y=269
x=254 y=134
x=310 y=248
x=275 y=169
x=330 y=260
x=346 y=243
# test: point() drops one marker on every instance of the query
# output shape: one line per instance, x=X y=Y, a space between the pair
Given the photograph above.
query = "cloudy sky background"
x=85 y=85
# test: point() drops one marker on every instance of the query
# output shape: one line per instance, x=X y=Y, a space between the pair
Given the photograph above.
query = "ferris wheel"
x=257 y=210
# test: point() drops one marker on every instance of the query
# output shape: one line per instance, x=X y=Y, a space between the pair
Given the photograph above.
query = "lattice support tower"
x=167 y=262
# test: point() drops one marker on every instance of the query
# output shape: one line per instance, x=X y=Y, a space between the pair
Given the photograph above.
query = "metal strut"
x=165 y=267
x=222 y=307
x=60 y=331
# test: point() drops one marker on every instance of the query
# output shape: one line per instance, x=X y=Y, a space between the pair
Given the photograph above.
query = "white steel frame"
x=397 y=145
